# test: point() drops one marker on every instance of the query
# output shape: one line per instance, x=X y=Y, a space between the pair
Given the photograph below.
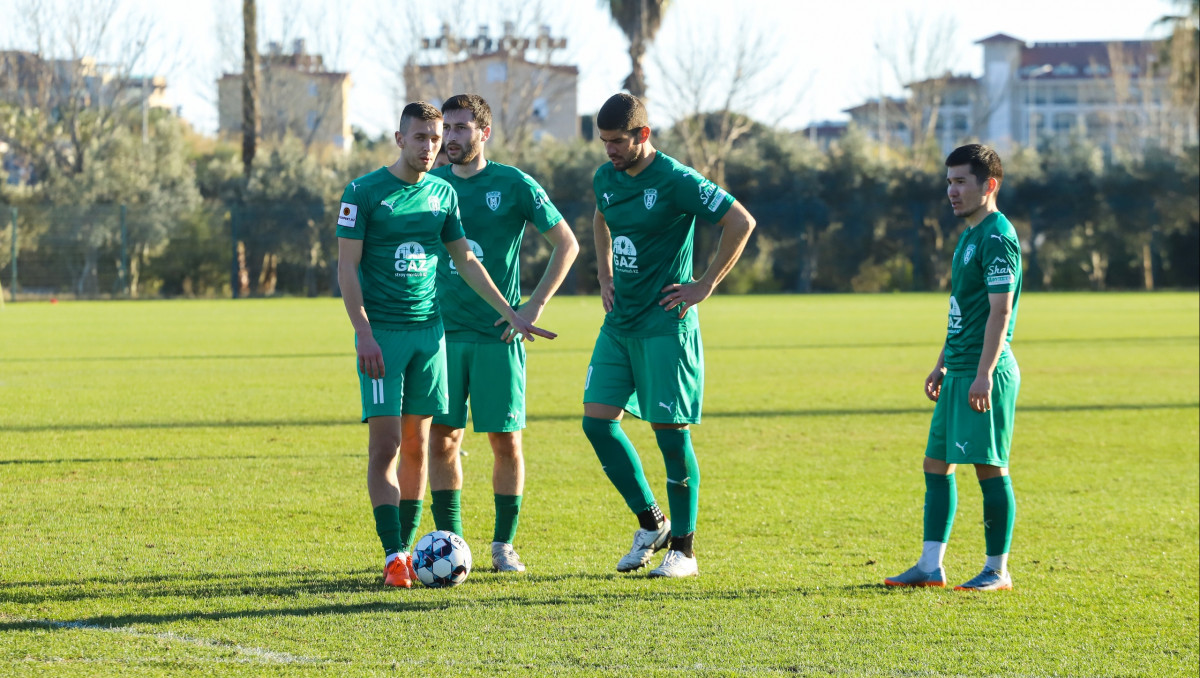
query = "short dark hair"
x=470 y=102
x=984 y=161
x=417 y=110
x=622 y=113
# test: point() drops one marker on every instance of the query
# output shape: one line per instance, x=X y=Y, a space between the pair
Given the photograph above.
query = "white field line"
x=250 y=653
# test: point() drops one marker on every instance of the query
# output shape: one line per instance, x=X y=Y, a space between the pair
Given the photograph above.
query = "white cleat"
x=505 y=559
x=676 y=565
x=645 y=543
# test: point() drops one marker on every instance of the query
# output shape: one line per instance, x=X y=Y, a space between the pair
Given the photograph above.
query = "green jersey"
x=402 y=227
x=986 y=260
x=652 y=218
x=495 y=205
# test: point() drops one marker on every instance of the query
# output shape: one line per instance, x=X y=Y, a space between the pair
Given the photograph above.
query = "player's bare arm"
x=604 y=265
x=1000 y=312
x=933 y=383
x=736 y=226
x=477 y=277
x=370 y=357
x=564 y=249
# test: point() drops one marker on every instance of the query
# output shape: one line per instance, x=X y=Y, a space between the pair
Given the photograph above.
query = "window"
x=1066 y=70
x=541 y=109
x=1066 y=94
x=1064 y=122
x=311 y=121
x=497 y=72
x=312 y=89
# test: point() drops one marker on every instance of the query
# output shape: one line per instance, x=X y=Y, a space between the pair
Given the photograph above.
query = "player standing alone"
x=390 y=224
x=496 y=201
x=976 y=379
x=648 y=359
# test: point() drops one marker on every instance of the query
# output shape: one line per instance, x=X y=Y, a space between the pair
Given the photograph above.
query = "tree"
x=249 y=85
x=640 y=21
x=63 y=96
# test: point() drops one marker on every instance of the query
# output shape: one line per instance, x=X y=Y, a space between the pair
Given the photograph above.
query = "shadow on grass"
x=282 y=456
x=621 y=590
x=575 y=416
x=554 y=349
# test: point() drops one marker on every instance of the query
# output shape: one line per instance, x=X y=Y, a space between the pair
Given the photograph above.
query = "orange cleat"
x=399 y=572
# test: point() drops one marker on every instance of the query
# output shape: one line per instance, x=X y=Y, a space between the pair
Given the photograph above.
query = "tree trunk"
x=249 y=85
x=1148 y=266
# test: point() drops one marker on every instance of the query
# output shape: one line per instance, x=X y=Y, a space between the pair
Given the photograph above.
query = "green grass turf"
x=182 y=493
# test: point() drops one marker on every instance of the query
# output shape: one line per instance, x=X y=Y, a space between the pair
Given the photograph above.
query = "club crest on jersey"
x=967 y=254
x=435 y=205
x=650 y=197
x=493 y=200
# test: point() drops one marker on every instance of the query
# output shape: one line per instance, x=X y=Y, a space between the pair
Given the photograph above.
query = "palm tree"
x=640 y=21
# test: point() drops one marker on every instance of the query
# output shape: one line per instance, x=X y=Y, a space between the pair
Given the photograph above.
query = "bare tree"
x=68 y=87
x=711 y=84
x=920 y=56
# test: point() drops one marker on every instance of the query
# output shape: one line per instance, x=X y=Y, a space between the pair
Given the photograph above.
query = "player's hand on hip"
x=370 y=357
x=933 y=384
x=980 y=395
x=530 y=312
x=684 y=296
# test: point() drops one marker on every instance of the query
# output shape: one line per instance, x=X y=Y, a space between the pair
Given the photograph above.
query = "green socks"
x=508 y=512
x=387 y=526
x=999 y=514
x=410 y=519
x=619 y=461
x=941 y=501
x=683 y=478
x=447 y=510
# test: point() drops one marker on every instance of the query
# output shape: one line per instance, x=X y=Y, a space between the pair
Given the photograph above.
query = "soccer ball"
x=442 y=559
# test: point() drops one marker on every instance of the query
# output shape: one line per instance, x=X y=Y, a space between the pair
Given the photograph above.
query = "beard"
x=466 y=153
x=625 y=161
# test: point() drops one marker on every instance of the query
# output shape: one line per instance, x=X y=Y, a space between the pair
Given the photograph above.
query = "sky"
x=813 y=58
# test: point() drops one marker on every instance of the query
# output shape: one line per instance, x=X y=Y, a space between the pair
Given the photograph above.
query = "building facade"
x=296 y=95
x=1030 y=94
x=530 y=99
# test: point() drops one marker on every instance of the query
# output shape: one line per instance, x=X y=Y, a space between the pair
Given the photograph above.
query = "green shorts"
x=492 y=376
x=657 y=379
x=414 y=374
x=960 y=435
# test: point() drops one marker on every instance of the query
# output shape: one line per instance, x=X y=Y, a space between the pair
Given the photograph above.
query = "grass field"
x=182 y=493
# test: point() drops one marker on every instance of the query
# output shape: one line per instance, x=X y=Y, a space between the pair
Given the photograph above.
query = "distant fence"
x=103 y=251
x=106 y=251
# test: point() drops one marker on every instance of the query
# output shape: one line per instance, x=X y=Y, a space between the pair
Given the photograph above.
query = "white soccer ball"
x=442 y=559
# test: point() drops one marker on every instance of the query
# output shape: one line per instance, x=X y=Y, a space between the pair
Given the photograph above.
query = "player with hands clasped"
x=648 y=359
x=391 y=223
x=976 y=379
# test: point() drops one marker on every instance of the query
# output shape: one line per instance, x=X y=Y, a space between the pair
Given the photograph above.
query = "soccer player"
x=390 y=224
x=648 y=359
x=976 y=379
x=496 y=201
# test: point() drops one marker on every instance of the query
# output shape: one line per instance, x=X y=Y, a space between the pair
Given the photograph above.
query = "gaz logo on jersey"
x=998 y=272
x=650 y=197
x=435 y=205
x=967 y=254
x=411 y=261
x=348 y=215
x=624 y=255
x=475 y=249
x=493 y=200
x=954 y=323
